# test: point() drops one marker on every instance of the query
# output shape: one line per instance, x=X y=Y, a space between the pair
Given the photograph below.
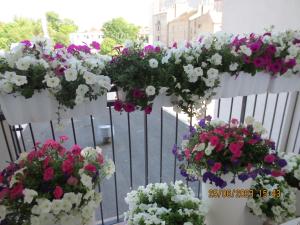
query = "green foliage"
x=18 y=30
x=59 y=29
x=25 y=29
x=120 y=30
x=108 y=45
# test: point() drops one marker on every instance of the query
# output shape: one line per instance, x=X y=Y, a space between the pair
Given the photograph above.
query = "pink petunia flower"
x=129 y=107
x=96 y=45
x=90 y=168
x=270 y=158
x=58 y=192
x=118 y=105
x=216 y=167
x=214 y=140
x=148 y=109
x=73 y=181
x=48 y=174
x=63 y=138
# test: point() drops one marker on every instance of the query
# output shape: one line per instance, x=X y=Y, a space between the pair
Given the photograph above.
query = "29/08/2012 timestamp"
x=243 y=193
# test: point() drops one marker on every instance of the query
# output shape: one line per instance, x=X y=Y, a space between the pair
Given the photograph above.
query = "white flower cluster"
x=282 y=207
x=293 y=164
x=145 y=208
x=72 y=209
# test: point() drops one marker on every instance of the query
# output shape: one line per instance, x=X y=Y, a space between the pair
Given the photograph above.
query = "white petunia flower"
x=216 y=59
x=86 y=181
x=6 y=87
x=71 y=74
x=19 y=80
x=212 y=73
x=82 y=89
x=153 y=63
x=34 y=220
x=163 y=90
x=52 y=82
x=44 y=205
x=249 y=120
x=89 y=77
x=29 y=195
x=150 y=90
x=233 y=66
x=57 y=206
x=247 y=51
x=24 y=63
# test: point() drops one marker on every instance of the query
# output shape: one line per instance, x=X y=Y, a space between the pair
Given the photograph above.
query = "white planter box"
x=225 y=211
x=42 y=107
x=298 y=203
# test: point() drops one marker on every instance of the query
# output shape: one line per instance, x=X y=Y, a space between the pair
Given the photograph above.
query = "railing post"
x=146 y=148
x=243 y=110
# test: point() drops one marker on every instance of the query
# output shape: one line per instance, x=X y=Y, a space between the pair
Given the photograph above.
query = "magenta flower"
x=148 y=109
x=118 y=105
x=58 y=46
x=63 y=138
x=71 y=48
x=149 y=49
x=125 y=51
x=129 y=107
x=27 y=43
x=291 y=63
x=157 y=49
x=255 y=46
x=271 y=49
x=214 y=140
x=96 y=45
x=174 y=45
x=216 y=167
x=269 y=158
x=259 y=62
x=59 y=71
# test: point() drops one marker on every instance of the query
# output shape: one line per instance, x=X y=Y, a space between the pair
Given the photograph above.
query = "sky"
x=87 y=14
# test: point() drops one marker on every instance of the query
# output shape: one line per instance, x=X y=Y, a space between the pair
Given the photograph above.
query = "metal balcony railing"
x=141 y=145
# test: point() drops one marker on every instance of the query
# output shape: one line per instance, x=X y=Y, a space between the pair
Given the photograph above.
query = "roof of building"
x=214 y=15
x=184 y=16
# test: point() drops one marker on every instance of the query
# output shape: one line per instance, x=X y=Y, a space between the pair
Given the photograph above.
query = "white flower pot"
x=163 y=100
x=121 y=94
x=242 y=85
x=43 y=107
x=225 y=211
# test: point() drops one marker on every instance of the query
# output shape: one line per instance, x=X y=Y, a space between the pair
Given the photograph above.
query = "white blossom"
x=52 y=82
x=150 y=90
x=153 y=63
x=71 y=74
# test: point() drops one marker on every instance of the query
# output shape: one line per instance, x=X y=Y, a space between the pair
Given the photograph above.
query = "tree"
x=25 y=29
x=120 y=30
x=59 y=29
x=17 y=30
x=107 y=46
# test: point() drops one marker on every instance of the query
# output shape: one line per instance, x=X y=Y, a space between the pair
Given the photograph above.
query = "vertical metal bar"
x=282 y=119
x=273 y=117
x=293 y=114
x=146 y=148
x=231 y=106
x=73 y=129
x=114 y=160
x=130 y=153
x=52 y=130
x=176 y=140
x=22 y=138
x=243 y=109
x=13 y=140
x=191 y=122
x=32 y=135
x=6 y=141
x=265 y=107
x=254 y=107
x=17 y=139
x=295 y=142
x=161 y=145
x=94 y=142
x=219 y=107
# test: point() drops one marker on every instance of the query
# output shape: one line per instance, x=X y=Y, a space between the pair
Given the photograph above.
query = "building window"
x=157 y=38
x=158 y=25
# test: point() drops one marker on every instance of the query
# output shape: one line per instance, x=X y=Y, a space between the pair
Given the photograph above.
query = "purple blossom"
x=208 y=118
x=186 y=137
x=210 y=162
x=202 y=123
x=175 y=149
x=281 y=163
x=58 y=46
x=243 y=176
x=207 y=175
x=96 y=45
x=192 y=130
x=27 y=43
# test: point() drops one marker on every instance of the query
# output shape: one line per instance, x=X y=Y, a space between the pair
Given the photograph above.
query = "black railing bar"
x=94 y=142
x=73 y=130
x=17 y=140
x=13 y=140
x=6 y=141
x=292 y=118
x=52 y=130
x=254 y=107
x=273 y=117
x=243 y=109
x=219 y=107
x=176 y=140
x=161 y=144
x=114 y=160
x=101 y=207
x=265 y=108
x=282 y=119
x=22 y=138
x=191 y=123
x=130 y=150
x=32 y=136
x=93 y=130
x=146 y=148
x=231 y=106
x=296 y=137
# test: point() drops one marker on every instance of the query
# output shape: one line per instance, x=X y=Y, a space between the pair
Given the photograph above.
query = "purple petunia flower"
x=210 y=162
x=281 y=163
x=202 y=123
x=174 y=149
x=192 y=130
x=243 y=176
